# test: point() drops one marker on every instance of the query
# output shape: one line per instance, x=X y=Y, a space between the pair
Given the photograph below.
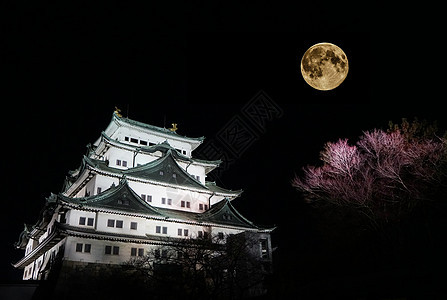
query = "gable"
x=120 y=197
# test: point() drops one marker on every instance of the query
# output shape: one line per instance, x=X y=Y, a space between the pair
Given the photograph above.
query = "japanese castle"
x=137 y=187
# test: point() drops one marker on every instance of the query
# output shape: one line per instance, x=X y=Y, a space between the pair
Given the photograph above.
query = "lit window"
x=264 y=248
x=161 y=173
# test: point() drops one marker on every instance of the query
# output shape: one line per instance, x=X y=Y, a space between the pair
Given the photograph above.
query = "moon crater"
x=324 y=66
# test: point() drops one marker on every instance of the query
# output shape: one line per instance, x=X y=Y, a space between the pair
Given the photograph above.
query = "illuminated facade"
x=138 y=187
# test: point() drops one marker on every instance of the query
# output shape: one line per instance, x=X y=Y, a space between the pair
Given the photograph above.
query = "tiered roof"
x=121 y=199
x=159 y=171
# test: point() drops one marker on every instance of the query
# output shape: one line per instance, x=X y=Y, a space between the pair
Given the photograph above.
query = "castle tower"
x=137 y=188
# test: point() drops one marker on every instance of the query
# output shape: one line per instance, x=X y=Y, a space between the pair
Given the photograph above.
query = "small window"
x=179 y=232
x=79 y=247
x=161 y=173
x=169 y=201
x=81 y=220
x=90 y=221
x=119 y=224
x=98 y=190
x=184 y=152
x=116 y=250
x=182 y=203
x=157 y=229
x=126 y=138
x=149 y=198
x=134 y=140
x=188 y=204
x=87 y=248
x=135 y=251
x=205 y=206
x=185 y=232
x=200 y=234
x=264 y=248
x=165 y=230
x=108 y=250
x=143 y=142
x=200 y=206
x=143 y=196
x=124 y=163
x=220 y=235
x=118 y=162
x=198 y=178
x=110 y=223
x=133 y=225
x=163 y=200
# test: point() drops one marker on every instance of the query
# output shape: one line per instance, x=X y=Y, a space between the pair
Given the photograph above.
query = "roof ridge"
x=153 y=127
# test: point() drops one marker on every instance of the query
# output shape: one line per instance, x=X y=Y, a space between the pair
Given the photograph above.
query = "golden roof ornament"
x=174 y=127
x=117 y=112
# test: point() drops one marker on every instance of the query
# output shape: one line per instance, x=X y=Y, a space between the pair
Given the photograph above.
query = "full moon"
x=324 y=66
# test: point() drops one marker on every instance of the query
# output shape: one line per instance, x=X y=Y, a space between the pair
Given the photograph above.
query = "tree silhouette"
x=384 y=176
x=203 y=268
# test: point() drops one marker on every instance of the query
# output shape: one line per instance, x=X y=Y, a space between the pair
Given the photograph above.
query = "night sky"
x=65 y=68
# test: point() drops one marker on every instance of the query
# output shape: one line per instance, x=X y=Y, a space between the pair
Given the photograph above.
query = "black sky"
x=65 y=67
